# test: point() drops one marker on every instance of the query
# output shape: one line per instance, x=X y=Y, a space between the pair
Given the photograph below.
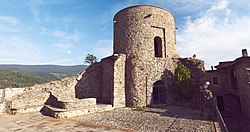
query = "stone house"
x=230 y=83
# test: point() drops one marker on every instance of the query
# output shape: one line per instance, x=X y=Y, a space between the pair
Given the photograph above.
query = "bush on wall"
x=183 y=84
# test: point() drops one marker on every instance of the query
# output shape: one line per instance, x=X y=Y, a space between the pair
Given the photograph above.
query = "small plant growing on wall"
x=90 y=59
x=183 y=84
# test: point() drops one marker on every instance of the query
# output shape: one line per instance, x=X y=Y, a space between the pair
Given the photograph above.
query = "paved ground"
x=126 y=119
x=35 y=122
x=168 y=119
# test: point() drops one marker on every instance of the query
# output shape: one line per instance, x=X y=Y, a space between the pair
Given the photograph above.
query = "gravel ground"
x=170 y=118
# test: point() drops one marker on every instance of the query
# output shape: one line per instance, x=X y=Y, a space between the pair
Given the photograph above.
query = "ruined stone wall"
x=90 y=83
x=118 y=97
x=29 y=98
x=38 y=94
x=63 y=89
x=112 y=90
x=107 y=79
x=197 y=69
x=8 y=93
x=135 y=29
x=1 y=95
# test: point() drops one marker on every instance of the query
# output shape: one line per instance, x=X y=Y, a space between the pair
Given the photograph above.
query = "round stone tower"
x=146 y=34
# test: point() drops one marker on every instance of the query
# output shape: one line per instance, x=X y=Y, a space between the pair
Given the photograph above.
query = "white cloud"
x=64 y=47
x=18 y=50
x=223 y=4
x=67 y=37
x=35 y=9
x=217 y=34
x=9 y=20
x=8 y=23
x=102 y=48
x=65 y=41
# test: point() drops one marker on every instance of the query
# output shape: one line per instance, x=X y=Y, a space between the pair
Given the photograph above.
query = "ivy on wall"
x=183 y=84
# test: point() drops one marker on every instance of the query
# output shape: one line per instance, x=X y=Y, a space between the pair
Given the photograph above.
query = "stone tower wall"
x=134 y=31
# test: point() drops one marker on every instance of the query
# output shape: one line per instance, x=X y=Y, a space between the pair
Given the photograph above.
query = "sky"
x=63 y=32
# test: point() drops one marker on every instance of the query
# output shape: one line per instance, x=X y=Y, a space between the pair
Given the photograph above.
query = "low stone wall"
x=15 y=98
x=1 y=95
x=62 y=89
x=29 y=98
x=8 y=93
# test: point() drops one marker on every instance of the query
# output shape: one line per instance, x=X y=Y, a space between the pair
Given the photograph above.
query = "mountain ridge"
x=38 y=73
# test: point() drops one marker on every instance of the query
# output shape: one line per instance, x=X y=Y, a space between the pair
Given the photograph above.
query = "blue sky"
x=63 y=31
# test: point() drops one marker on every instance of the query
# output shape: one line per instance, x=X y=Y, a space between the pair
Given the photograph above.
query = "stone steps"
x=76 y=103
x=28 y=109
x=73 y=112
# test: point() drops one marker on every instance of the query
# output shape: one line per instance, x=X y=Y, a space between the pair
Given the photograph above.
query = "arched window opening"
x=158 y=46
x=159 y=93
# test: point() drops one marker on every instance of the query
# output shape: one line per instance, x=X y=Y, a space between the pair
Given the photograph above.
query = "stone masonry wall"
x=38 y=94
x=135 y=29
x=107 y=79
x=119 y=99
x=215 y=88
x=197 y=70
x=160 y=70
x=89 y=86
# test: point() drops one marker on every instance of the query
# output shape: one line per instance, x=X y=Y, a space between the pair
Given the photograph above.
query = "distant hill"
x=50 y=72
x=13 y=79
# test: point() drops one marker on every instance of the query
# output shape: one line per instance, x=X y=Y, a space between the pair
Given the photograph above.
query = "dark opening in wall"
x=220 y=103
x=159 y=92
x=232 y=103
x=215 y=80
x=158 y=46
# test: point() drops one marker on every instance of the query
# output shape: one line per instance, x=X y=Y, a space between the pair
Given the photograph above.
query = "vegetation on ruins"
x=183 y=84
x=90 y=59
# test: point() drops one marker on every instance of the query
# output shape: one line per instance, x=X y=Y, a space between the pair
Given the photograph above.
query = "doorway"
x=232 y=103
x=220 y=103
x=159 y=92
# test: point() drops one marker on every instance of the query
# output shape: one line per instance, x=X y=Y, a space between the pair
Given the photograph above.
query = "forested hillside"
x=27 y=75
x=51 y=72
x=19 y=79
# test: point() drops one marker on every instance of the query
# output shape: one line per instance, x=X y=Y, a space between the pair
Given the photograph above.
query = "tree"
x=183 y=83
x=90 y=59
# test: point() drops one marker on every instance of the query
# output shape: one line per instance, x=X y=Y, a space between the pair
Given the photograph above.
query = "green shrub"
x=183 y=84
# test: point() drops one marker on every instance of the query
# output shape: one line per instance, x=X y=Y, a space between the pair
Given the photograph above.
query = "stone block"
x=77 y=103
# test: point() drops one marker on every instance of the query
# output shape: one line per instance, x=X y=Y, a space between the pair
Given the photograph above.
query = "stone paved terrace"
x=35 y=122
x=172 y=118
